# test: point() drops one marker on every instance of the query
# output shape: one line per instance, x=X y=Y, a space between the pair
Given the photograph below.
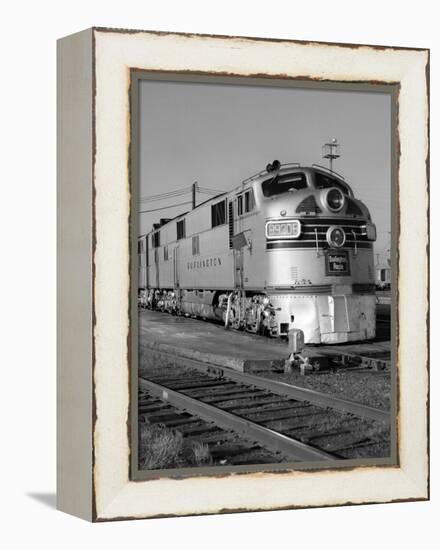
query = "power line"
x=164 y=207
x=163 y=198
x=165 y=195
x=207 y=190
x=179 y=192
x=160 y=195
x=211 y=194
x=176 y=193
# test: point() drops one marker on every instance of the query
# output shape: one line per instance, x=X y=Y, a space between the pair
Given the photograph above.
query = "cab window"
x=283 y=184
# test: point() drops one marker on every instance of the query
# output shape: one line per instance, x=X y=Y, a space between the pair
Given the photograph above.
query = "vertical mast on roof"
x=331 y=151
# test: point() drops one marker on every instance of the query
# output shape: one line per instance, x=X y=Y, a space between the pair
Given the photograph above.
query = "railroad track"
x=291 y=423
x=375 y=356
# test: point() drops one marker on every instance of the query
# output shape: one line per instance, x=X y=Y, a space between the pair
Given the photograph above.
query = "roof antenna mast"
x=331 y=151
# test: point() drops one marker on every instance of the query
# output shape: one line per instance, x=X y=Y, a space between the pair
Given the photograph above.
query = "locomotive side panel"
x=206 y=262
x=199 y=260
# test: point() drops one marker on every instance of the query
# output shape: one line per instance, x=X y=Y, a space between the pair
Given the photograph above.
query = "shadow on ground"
x=48 y=499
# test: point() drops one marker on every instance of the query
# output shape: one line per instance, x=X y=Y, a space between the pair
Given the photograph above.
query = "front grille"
x=323 y=245
x=314 y=233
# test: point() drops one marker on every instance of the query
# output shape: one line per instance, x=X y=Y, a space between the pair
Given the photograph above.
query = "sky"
x=219 y=135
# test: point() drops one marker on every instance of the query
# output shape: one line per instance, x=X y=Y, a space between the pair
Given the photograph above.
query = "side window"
x=180 y=229
x=156 y=239
x=218 y=213
x=240 y=205
x=165 y=253
x=195 y=245
x=248 y=201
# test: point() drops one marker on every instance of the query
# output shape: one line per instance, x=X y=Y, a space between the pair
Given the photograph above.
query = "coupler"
x=301 y=358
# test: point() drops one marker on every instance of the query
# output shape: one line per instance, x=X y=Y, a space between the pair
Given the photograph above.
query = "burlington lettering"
x=207 y=262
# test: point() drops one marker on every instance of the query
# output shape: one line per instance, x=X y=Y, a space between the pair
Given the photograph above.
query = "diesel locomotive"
x=290 y=247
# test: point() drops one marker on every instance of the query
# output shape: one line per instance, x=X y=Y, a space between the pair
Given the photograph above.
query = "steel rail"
x=287 y=390
x=275 y=441
x=365 y=360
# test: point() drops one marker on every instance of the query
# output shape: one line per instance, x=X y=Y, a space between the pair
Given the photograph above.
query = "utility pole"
x=331 y=151
x=195 y=186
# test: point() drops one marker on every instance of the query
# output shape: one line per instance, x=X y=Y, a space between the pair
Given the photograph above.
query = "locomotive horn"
x=274 y=166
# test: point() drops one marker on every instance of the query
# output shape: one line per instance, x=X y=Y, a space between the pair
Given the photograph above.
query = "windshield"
x=322 y=181
x=282 y=184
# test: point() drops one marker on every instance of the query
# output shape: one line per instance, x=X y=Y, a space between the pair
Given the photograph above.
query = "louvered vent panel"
x=231 y=222
x=294 y=273
x=308 y=205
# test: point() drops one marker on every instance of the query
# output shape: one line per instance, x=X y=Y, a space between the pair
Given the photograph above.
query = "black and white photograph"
x=264 y=276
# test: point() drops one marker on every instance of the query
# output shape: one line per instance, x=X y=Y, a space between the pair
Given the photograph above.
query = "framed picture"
x=243 y=274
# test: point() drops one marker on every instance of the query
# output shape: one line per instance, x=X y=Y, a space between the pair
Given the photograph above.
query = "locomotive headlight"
x=335 y=199
x=335 y=236
x=370 y=230
x=286 y=229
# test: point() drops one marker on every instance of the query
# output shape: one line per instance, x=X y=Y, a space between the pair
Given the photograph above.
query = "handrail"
x=355 y=242
x=316 y=242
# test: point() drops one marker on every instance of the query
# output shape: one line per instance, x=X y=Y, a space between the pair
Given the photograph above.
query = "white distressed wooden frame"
x=94 y=279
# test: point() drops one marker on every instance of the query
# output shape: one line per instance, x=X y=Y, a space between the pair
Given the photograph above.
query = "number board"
x=283 y=229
